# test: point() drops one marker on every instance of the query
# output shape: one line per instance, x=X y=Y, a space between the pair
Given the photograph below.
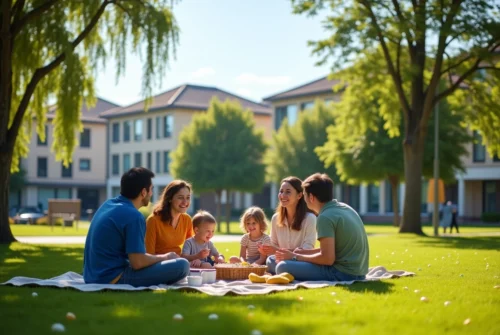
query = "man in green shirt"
x=343 y=252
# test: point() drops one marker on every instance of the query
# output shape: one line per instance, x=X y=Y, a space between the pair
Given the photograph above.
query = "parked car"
x=28 y=215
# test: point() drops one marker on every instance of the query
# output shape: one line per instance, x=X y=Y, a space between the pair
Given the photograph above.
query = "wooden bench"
x=67 y=209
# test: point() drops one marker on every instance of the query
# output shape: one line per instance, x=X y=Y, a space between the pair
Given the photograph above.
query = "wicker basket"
x=237 y=272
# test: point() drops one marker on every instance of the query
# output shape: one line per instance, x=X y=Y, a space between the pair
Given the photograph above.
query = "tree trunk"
x=228 y=210
x=6 y=144
x=5 y=232
x=413 y=157
x=394 y=181
x=218 y=196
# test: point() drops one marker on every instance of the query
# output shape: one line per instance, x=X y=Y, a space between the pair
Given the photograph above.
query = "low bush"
x=491 y=217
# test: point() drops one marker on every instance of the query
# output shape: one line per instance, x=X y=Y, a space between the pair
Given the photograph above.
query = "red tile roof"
x=187 y=97
x=322 y=85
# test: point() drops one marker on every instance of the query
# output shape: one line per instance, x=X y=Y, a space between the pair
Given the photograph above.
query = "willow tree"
x=461 y=37
x=53 y=49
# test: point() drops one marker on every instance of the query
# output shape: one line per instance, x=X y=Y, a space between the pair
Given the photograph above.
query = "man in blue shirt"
x=114 y=250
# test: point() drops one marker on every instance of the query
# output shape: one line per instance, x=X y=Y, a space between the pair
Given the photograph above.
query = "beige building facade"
x=139 y=138
x=85 y=178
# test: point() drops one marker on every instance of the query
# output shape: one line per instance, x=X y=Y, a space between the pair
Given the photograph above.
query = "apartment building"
x=139 y=138
x=84 y=178
x=478 y=190
x=475 y=192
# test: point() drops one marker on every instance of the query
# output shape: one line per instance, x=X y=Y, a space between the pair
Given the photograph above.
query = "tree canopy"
x=419 y=43
x=221 y=150
x=367 y=153
x=292 y=149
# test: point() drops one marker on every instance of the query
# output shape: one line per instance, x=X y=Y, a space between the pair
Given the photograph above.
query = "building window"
x=126 y=162
x=85 y=138
x=478 y=149
x=41 y=167
x=115 y=191
x=158 y=127
x=158 y=162
x=373 y=198
x=115 y=165
x=116 y=132
x=150 y=160
x=138 y=159
x=45 y=142
x=388 y=197
x=166 y=161
x=306 y=105
x=350 y=195
x=150 y=128
x=84 y=164
x=126 y=131
x=138 y=130
x=289 y=112
x=491 y=191
x=67 y=172
x=168 y=124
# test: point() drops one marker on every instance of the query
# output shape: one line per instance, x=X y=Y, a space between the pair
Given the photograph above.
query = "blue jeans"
x=271 y=264
x=310 y=271
x=165 y=272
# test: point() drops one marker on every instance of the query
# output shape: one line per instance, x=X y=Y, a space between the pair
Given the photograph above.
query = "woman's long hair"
x=164 y=205
x=300 y=210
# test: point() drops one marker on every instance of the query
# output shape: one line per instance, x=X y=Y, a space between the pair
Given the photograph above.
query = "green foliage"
x=292 y=150
x=365 y=143
x=17 y=180
x=65 y=47
x=490 y=217
x=221 y=150
x=420 y=44
x=146 y=210
x=396 y=27
x=480 y=106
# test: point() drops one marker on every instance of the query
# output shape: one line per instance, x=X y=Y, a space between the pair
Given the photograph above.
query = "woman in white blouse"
x=292 y=226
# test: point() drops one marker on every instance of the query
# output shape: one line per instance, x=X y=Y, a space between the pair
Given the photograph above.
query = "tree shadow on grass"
x=377 y=287
x=480 y=243
x=39 y=261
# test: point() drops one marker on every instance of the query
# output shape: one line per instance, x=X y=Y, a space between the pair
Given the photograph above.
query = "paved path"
x=81 y=239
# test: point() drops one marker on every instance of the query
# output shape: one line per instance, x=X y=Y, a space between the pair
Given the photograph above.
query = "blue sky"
x=253 y=48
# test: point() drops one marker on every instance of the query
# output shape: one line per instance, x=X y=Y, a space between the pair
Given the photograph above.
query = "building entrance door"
x=89 y=198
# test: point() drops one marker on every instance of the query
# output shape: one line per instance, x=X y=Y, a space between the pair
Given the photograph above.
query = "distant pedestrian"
x=447 y=216
x=454 y=219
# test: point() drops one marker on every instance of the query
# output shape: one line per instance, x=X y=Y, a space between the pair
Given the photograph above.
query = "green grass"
x=40 y=230
x=234 y=229
x=365 y=308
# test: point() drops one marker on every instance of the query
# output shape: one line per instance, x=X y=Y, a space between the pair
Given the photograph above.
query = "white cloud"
x=250 y=78
x=244 y=92
x=203 y=72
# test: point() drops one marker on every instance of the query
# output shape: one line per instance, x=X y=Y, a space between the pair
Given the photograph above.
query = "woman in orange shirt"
x=169 y=225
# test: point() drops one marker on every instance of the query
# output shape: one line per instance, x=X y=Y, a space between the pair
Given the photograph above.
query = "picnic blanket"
x=244 y=287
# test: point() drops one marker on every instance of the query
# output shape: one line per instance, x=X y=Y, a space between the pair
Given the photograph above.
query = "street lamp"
x=435 y=216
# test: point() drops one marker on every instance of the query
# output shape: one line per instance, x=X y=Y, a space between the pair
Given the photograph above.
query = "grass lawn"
x=387 y=228
x=462 y=271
